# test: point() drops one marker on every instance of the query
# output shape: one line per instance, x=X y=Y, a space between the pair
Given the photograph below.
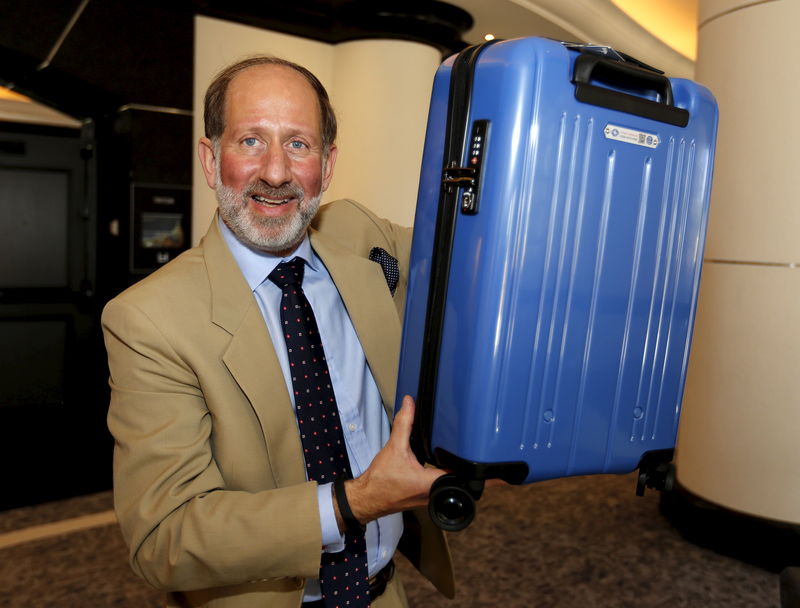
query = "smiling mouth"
x=272 y=202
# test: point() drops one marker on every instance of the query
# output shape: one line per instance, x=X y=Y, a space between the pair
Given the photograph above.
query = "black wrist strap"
x=350 y=521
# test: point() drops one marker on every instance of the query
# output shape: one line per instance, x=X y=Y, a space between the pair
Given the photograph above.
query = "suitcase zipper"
x=454 y=176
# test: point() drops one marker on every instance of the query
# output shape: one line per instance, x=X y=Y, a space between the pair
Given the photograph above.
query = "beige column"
x=739 y=441
x=381 y=93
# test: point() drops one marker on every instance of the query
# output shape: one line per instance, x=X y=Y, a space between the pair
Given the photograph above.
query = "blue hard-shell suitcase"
x=555 y=267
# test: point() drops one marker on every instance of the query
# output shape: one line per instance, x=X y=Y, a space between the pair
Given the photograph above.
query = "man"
x=216 y=494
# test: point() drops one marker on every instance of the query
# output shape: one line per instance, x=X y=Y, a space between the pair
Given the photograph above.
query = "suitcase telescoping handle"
x=590 y=68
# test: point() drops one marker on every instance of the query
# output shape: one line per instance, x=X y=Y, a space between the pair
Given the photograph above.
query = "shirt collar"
x=256 y=265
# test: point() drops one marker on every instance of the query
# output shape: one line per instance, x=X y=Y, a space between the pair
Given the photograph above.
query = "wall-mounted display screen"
x=162 y=231
x=160 y=216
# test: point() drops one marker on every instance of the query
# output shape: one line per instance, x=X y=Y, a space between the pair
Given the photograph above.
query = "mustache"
x=284 y=192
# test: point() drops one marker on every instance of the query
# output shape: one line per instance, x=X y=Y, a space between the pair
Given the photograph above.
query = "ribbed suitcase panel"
x=572 y=292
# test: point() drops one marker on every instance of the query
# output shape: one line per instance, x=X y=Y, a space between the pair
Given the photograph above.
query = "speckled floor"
x=569 y=543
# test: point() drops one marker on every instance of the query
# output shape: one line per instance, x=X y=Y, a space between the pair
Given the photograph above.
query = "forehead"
x=271 y=93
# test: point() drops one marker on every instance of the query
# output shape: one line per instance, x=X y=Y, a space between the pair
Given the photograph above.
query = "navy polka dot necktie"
x=344 y=576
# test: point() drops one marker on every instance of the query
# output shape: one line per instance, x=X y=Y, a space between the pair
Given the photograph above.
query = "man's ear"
x=205 y=150
x=329 y=164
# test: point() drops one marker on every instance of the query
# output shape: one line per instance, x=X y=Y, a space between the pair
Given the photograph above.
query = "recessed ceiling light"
x=489 y=37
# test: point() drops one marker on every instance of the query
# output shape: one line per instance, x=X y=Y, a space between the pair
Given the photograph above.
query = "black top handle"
x=591 y=68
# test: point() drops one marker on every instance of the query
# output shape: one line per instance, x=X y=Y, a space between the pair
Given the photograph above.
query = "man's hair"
x=216 y=96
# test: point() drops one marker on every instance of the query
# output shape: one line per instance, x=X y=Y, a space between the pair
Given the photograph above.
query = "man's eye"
x=297 y=145
x=250 y=141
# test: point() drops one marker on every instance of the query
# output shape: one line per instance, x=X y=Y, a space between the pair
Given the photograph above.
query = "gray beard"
x=273 y=235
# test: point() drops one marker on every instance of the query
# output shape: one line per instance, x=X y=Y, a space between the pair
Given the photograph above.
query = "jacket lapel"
x=366 y=296
x=251 y=359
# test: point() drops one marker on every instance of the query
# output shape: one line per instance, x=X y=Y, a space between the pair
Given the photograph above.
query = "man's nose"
x=275 y=168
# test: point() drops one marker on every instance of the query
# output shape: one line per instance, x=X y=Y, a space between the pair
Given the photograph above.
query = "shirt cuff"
x=332 y=540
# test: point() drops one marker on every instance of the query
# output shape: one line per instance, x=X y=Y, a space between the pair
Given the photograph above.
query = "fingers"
x=395 y=480
x=403 y=421
x=406 y=413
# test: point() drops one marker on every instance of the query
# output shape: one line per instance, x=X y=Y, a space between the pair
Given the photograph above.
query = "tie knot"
x=288 y=273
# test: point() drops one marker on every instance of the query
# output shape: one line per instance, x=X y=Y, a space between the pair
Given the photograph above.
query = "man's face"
x=268 y=168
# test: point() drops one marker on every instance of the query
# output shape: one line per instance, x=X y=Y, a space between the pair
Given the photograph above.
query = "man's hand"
x=395 y=481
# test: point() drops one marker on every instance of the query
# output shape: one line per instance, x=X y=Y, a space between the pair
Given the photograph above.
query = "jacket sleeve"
x=184 y=528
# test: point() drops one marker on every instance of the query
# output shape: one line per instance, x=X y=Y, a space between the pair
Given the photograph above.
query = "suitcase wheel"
x=452 y=502
x=656 y=475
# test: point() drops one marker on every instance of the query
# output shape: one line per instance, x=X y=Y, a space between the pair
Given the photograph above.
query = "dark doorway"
x=52 y=380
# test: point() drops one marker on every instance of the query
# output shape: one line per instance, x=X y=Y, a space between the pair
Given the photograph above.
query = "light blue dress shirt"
x=364 y=421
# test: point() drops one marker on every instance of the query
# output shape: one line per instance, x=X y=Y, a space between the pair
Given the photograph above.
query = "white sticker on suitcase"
x=631 y=136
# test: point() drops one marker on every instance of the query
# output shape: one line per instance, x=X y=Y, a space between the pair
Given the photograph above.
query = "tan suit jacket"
x=209 y=479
